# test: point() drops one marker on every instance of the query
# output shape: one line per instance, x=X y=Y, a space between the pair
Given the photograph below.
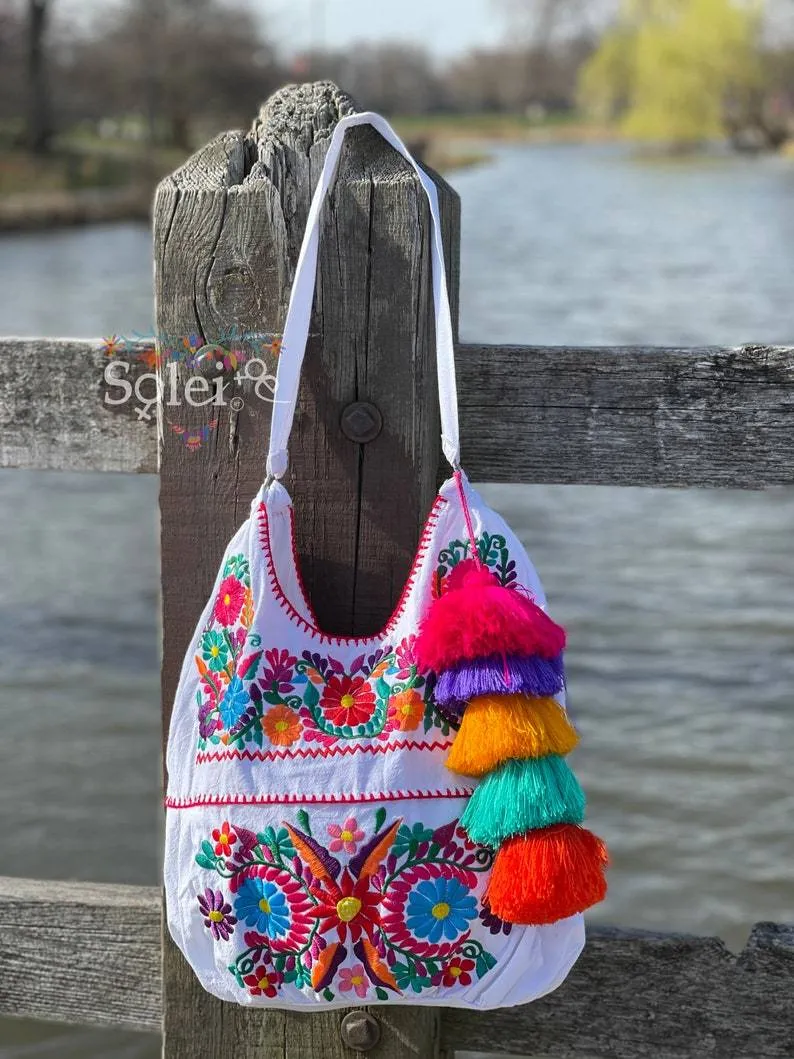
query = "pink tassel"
x=476 y=617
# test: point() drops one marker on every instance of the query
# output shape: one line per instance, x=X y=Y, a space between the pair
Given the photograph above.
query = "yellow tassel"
x=496 y=728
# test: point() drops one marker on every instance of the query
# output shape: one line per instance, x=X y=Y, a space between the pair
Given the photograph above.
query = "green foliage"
x=673 y=70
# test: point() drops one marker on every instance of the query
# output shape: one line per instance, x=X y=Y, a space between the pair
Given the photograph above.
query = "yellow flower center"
x=347 y=836
x=224 y=839
x=227 y=600
x=215 y=650
x=264 y=906
x=356 y=979
x=456 y=972
x=215 y=916
x=347 y=701
x=263 y=983
x=440 y=910
x=405 y=709
x=348 y=908
x=282 y=726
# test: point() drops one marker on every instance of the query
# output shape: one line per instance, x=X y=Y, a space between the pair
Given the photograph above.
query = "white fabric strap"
x=296 y=328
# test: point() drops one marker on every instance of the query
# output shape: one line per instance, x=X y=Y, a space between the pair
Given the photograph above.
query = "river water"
x=678 y=604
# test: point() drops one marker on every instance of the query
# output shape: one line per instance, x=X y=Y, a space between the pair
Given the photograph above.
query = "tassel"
x=499 y=675
x=496 y=728
x=545 y=876
x=523 y=796
x=477 y=617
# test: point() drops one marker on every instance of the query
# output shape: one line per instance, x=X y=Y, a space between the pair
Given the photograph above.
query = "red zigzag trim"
x=205 y=756
x=310 y=799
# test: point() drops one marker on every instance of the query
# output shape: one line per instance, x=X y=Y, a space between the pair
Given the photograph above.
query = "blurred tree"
x=393 y=77
x=39 y=125
x=172 y=65
x=676 y=69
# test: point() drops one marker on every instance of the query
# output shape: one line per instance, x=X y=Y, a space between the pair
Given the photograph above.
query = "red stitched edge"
x=313 y=629
x=311 y=799
x=205 y=756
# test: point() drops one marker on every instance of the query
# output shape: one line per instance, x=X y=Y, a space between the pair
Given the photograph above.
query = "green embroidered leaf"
x=328 y=994
x=380 y=816
x=381 y=994
x=303 y=819
x=382 y=688
x=205 y=862
x=272 y=697
x=257 y=734
x=311 y=695
x=207 y=849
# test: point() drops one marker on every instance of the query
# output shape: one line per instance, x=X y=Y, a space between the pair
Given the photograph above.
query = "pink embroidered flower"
x=405 y=657
x=224 y=839
x=354 y=978
x=345 y=837
x=229 y=603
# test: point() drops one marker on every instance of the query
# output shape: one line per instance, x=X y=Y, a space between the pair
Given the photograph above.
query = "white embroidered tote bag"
x=387 y=818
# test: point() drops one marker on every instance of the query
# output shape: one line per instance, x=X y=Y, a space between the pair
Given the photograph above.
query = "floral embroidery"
x=492 y=550
x=354 y=978
x=250 y=697
x=345 y=837
x=391 y=912
x=217 y=914
x=224 y=840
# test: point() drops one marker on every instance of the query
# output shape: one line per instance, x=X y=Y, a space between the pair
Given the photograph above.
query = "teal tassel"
x=522 y=796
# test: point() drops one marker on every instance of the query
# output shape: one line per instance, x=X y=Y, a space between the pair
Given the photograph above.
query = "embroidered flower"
x=282 y=725
x=458 y=972
x=247 y=612
x=229 y=602
x=278 y=674
x=224 y=839
x=406 y=710
x=262 y=905
x=234 y=703
x=354 y=978
x=345 y=837
x=440 y=908
x=347 y=700
x=214 y=650
x=405 y=657
x=217 y=914
x=348 y=906
x=263 y=981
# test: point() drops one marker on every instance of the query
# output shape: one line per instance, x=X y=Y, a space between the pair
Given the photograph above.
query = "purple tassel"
x=498 y=675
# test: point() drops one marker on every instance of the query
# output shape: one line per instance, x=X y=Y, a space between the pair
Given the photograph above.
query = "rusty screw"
x=360 y=1030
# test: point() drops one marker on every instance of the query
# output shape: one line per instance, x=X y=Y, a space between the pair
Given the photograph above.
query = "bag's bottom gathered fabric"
x=338 y=905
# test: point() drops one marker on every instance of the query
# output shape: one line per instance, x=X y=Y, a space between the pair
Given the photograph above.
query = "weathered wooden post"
x=228 y=226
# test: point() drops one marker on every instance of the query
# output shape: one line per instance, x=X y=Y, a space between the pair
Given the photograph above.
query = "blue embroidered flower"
x=234 y=703
x=263 y=906
x=440 y=908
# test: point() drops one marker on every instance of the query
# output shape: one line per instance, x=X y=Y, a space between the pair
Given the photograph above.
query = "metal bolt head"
x=361 y=422
x=360 y=1030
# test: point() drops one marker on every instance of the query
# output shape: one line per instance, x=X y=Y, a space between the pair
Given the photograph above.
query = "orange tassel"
x=496 y=728
x=547 y=875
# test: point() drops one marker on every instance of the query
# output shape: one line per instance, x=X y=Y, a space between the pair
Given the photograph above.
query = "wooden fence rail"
x=227 y=229
x=595 y=416
x=90 y=954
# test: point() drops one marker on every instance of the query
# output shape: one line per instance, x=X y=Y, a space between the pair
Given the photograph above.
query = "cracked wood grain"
x=89 y=954
x=605 y=416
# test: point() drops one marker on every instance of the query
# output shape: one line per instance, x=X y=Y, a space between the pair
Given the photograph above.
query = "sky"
x=444 y=27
